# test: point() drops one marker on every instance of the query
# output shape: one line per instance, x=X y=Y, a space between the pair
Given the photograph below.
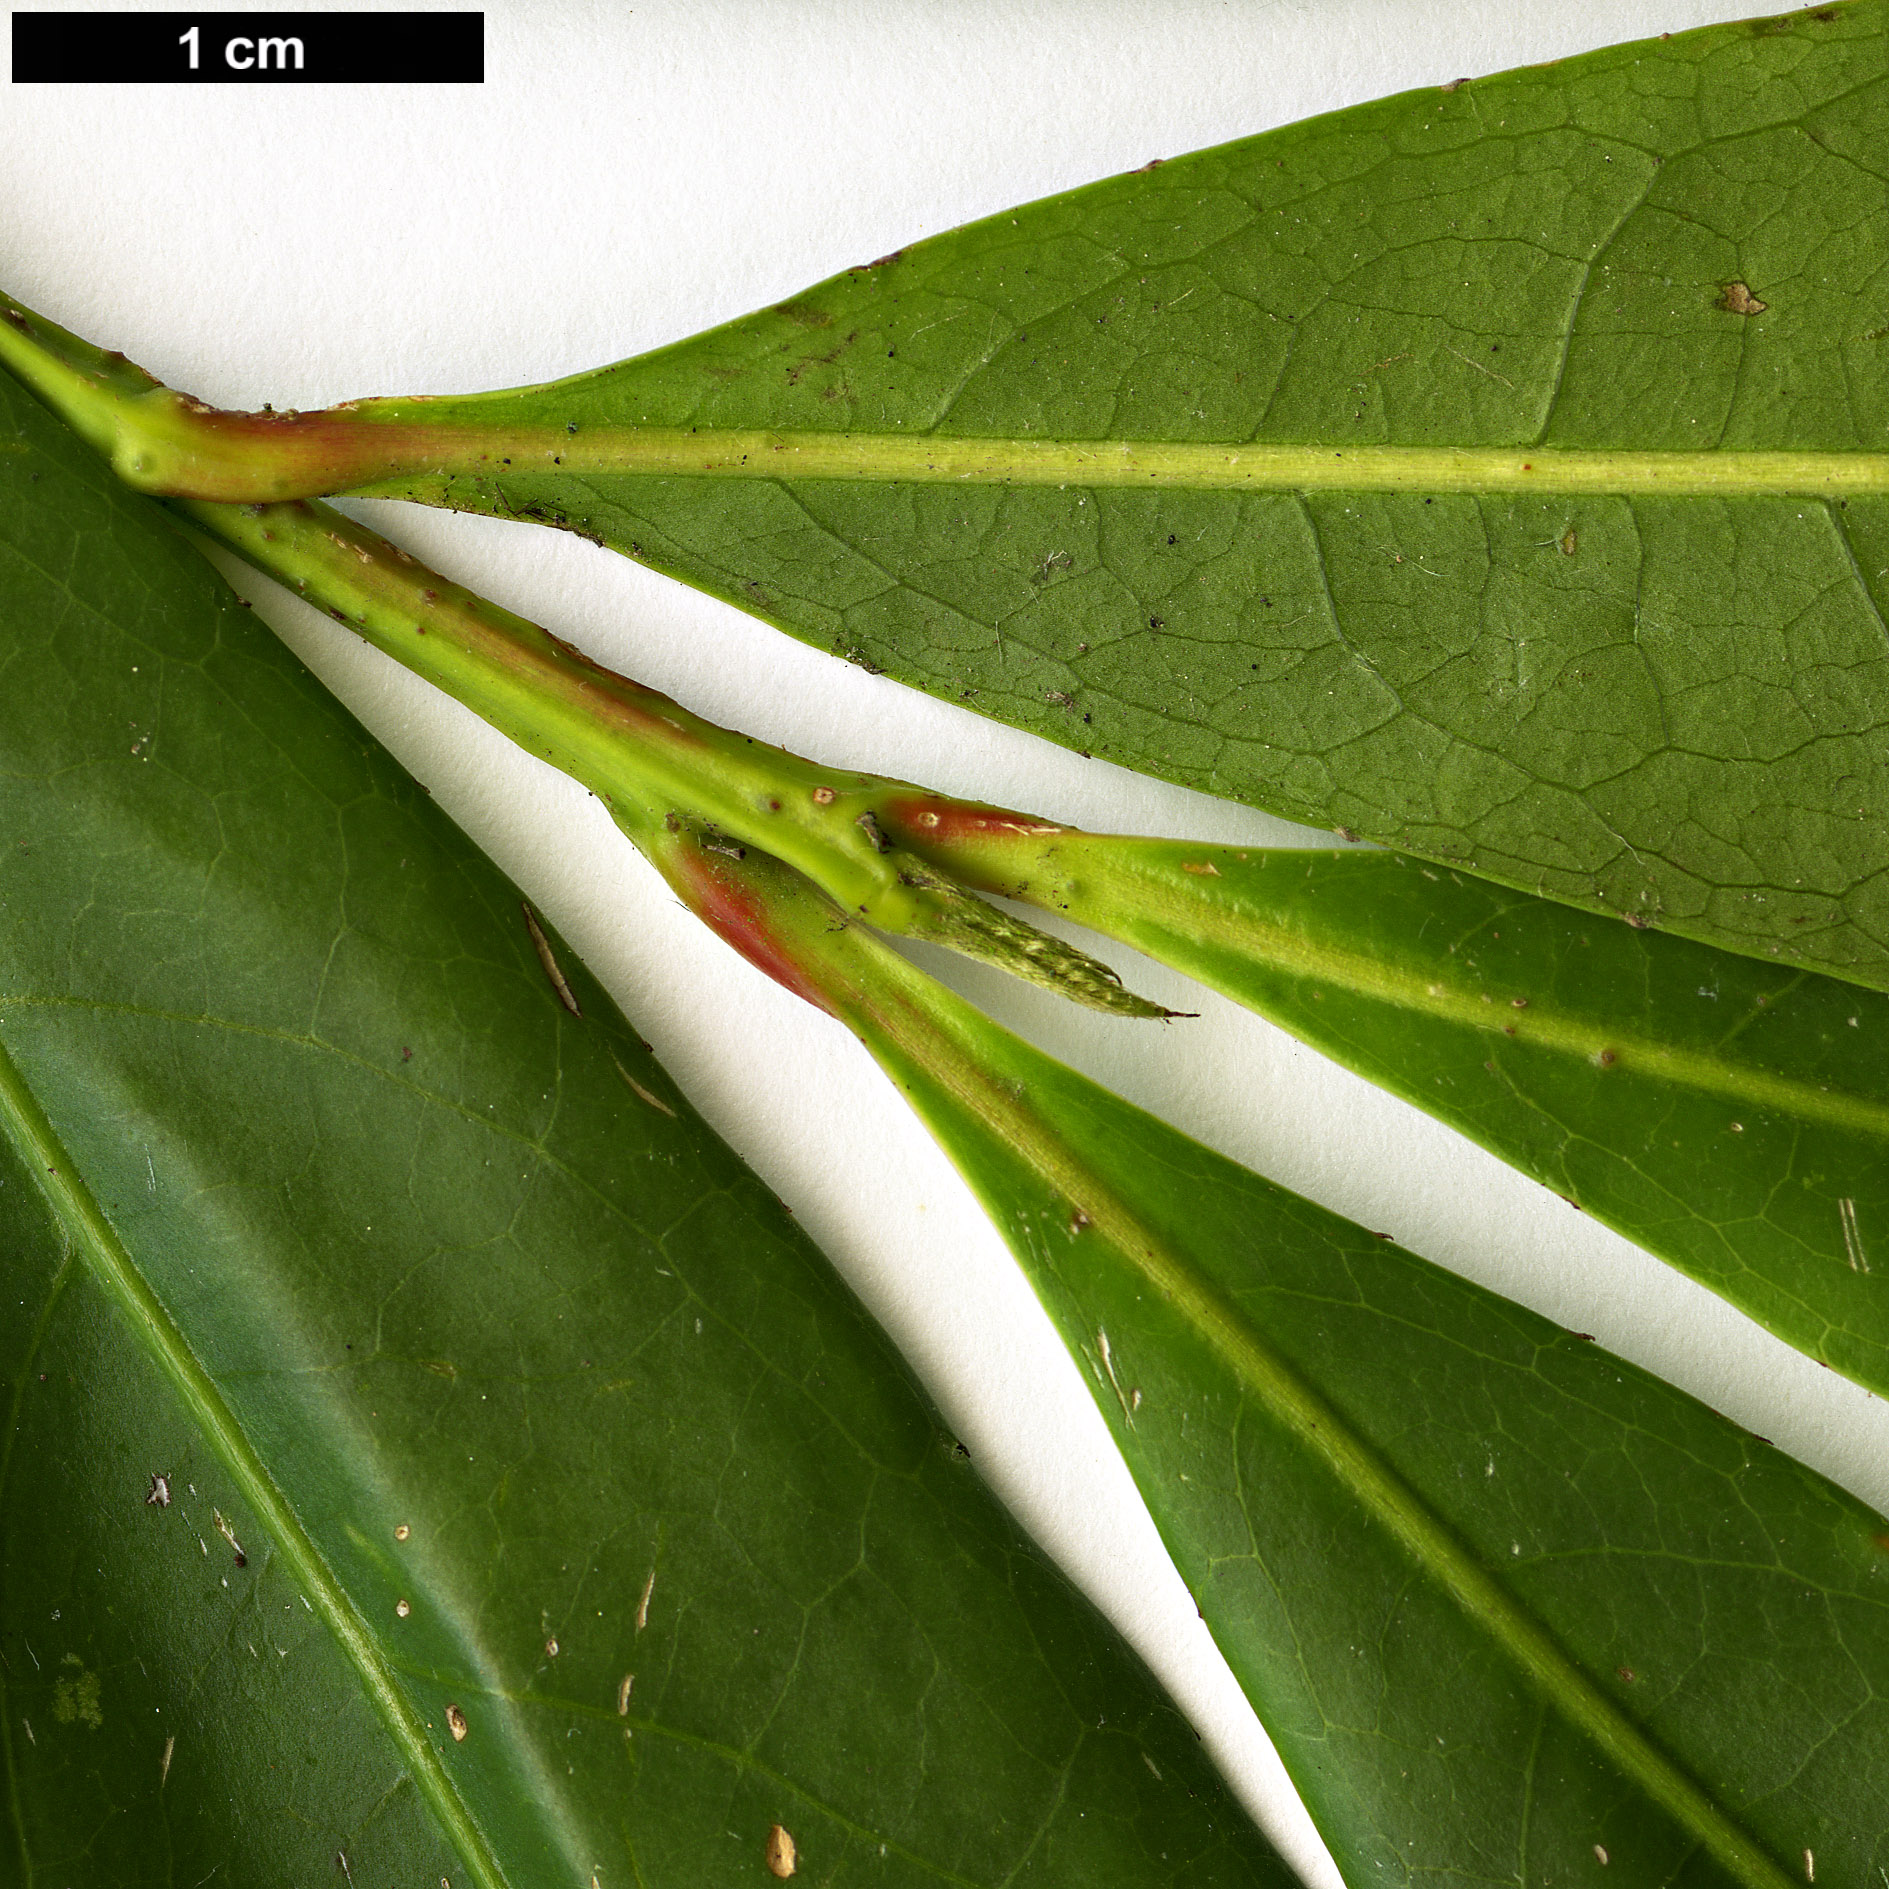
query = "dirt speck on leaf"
x=546 y=957
x=804 y=314
x=781 y=1857
x=654 y=1101
x=1736 y=299
x=229 y=1534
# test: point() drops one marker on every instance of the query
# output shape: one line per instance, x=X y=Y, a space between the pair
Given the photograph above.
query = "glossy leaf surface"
x=1511 y=1609
x=541 y=1509
x=1729 y=1115
x=1496 y=471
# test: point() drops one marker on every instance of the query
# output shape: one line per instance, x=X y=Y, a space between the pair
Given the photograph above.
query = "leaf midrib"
x=405 y=451
x=78 y=1213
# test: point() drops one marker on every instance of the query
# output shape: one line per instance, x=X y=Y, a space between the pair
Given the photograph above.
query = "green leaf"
x=1730 y=1116
x=479 y=1375
x=1495 y=471
x=1509 y=1607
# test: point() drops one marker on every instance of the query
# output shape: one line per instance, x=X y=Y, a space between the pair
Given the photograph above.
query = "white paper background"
x=625 y=177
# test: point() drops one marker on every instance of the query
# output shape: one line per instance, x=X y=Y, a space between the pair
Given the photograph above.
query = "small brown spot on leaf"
x=1208 y=869
x=402 y=1532
x=824 y=796
x=655 y=1101
x=401 y=1609
x=781 y=1857
x=804 y=314
x=229 y=1534
x=1569 y=542
x=1626 y=1673
x=623 y=1695
x=546 y=957
x=456 y=1724
x=1736 y=299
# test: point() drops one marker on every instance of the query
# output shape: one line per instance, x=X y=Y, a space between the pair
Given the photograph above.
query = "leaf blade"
x=1658 y=705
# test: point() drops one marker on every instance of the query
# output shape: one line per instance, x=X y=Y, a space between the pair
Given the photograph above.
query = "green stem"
x=645 y=756
x=630 y=745
x=640 y=753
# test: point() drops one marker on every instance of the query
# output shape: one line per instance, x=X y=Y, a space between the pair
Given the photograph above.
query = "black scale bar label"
x=248 y=48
